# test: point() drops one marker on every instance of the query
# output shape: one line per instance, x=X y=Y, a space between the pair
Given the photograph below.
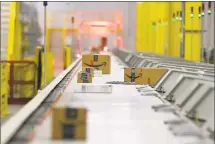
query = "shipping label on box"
x=69 y=123
x=88 y=70
x=148 y=76
x=84 y=77
x=97 y=73
x=98 y=62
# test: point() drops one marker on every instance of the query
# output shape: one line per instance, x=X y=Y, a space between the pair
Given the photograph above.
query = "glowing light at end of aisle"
x=105 y=49
x=78 y=55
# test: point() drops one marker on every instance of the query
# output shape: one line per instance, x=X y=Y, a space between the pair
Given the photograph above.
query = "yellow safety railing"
x=4 y=89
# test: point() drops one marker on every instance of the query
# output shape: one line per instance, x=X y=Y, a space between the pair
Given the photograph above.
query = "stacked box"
x=84 y=77
x=98 y=62
x=69 y=123
x=88 y=70
x=144 y=75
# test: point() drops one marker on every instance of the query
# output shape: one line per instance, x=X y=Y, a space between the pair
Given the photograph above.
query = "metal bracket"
x=170 y=98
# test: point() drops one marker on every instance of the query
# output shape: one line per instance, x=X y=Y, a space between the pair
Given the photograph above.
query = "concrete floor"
x=12 y=110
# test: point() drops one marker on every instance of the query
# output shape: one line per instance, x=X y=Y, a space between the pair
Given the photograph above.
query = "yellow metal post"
x=166 y=27
x=138 y=26
x=11 y=31
x=192 y=32
x=49 y=67
x=68 y=57
x=4 y=89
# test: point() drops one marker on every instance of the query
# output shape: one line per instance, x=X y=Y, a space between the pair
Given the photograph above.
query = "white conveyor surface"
x=122 y=117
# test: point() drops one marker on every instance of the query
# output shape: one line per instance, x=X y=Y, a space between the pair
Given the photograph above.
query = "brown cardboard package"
x=69 y=123
x=84 y=77
x=89 y=70
x=144 y=75
x=99 y=62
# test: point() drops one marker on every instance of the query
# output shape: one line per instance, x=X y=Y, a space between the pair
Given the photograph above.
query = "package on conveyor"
x=148 y=76
x=84 y=77
x=88 y=70
x=98 y=62
x=69 y=123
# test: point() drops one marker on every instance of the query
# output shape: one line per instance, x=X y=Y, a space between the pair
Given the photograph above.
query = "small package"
x=84 y=77
x=145 y=76
x=69 y=123
x=88 y=70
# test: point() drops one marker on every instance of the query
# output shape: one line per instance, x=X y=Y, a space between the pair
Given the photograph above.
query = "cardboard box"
x=99 y=62
x=144 y=75
x=84 y=77
x=69 y=123
x=88 y=70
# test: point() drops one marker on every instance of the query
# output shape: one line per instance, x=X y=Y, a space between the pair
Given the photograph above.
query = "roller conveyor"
x=125 y=115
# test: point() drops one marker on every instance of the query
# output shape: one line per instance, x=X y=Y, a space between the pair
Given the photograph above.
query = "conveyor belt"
x=124 y=116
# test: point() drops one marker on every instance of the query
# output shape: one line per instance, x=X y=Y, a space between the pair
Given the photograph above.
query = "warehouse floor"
x=12 y=110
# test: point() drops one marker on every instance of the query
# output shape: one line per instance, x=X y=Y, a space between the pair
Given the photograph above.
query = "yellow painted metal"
x=4 y=89
x=156 y=32
x=63 y=29
x=165 y=36
x=151 y=29
x=145 y=26
x=11 y=34
x=25 y=72
x=160 y=27
x=64 y=35
x=49 y=67
x=177 y=8
x=145 y=34
x=157 y=18
x=166 y=29
x=174 y=27
x=138 y=26
x=48 y=38
x=28 y=75
x=192 y=40
x=14 y=33
x=154 y=39
x=172 y=30
x=67 y=57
